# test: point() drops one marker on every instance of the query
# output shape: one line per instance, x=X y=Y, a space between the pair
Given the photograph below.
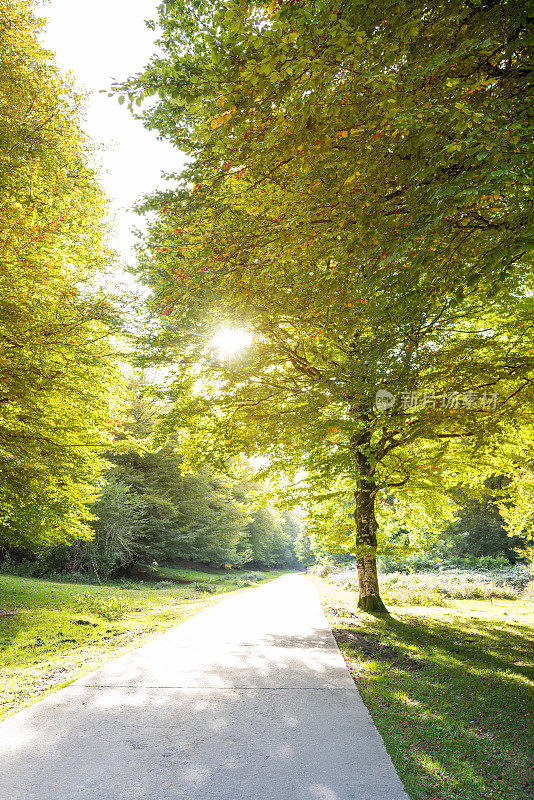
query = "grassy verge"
x=237 y=579
x=449 y=689
x=52 y=632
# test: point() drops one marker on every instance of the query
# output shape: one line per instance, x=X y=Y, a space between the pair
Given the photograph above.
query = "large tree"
x=357 y=197
x=58 y=383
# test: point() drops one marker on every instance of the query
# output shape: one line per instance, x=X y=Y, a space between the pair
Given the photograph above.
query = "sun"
x=231 y=341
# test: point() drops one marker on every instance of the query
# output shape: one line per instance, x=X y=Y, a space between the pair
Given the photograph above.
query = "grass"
x=449 y=689
x=236 y=578
x=190 y=574
x=52 y=632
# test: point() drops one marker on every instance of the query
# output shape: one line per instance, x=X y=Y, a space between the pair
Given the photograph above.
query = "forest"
x=298 y=439
x=357 y=208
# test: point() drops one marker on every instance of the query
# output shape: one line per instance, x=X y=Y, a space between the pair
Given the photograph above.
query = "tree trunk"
x=366 y=542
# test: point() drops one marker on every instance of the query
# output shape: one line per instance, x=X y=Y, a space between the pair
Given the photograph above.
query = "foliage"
x=459 y=525
x=60 y=396
x=150 y=508
x=183 y=516
x=433 y=560
x=518 y=515
x=304 y=552
x=253 y=577
x=430 y=588
x=358 y=199
x=108 y=607
x=265 y=539
x=205 y=587
x=205 y=516
x=479 y=531
x=117 y=518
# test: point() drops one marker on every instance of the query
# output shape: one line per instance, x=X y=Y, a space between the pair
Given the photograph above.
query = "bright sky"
x=100 y=41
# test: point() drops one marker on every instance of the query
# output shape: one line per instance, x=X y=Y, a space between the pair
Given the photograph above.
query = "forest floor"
x=52 y=632
x=449 y=689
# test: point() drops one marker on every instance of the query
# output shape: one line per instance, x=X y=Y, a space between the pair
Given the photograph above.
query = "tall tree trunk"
x=366 y=528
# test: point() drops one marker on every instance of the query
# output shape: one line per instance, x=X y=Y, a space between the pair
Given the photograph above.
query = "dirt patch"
x=51 y=679
x=368 y=648
x=339 y=611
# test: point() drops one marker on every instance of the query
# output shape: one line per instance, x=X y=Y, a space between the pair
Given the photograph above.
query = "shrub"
x=109 y=607
x=209 y=588
x=75 y=577
x=323 y=570
x=252 y=576
x=130 y=585
x=437 y=587
x=430 y=562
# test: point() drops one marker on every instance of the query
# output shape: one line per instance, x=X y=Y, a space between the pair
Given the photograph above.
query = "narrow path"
x=250 y=700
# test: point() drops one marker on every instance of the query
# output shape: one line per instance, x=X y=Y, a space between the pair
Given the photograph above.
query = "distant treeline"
x=150 y=510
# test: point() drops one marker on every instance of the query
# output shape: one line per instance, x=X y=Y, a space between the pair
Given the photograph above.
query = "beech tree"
x=357 y=198
x=59 y=386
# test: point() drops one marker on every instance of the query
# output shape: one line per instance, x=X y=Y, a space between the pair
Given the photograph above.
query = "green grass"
x=190 y=574
x=449 y=689
x=51 y=632
x=216 y=578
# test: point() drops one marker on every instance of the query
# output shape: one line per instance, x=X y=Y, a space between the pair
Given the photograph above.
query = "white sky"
x=100 y=41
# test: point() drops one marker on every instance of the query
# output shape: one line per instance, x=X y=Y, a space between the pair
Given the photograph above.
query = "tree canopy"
x=59 y=382
x=358 y=198
x=151 y=508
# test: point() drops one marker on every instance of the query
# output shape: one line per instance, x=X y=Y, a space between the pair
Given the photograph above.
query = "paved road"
x=250 y=700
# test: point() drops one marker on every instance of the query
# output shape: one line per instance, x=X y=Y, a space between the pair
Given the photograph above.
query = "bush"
x=24 y=568
x=209 y=588
x=430 y=562
x=323 y=570
x=75 y=577
x=109 y=607
x=436 y=588
x=130 y=585
x=252 y=576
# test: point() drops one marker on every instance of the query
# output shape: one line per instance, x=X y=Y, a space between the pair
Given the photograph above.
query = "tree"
x=117 y=518
x=211 y=517
x=518 y=515
x=293 y=527
x=268 y=544
x=357 y=198
x=59 y=387
x=479 y=528
x=303 y=550
x=181 y=515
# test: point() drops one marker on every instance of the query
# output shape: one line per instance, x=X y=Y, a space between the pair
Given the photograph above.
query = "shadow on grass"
x=450 y=698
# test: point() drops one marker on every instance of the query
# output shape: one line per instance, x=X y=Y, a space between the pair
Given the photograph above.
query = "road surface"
x=249 y=700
